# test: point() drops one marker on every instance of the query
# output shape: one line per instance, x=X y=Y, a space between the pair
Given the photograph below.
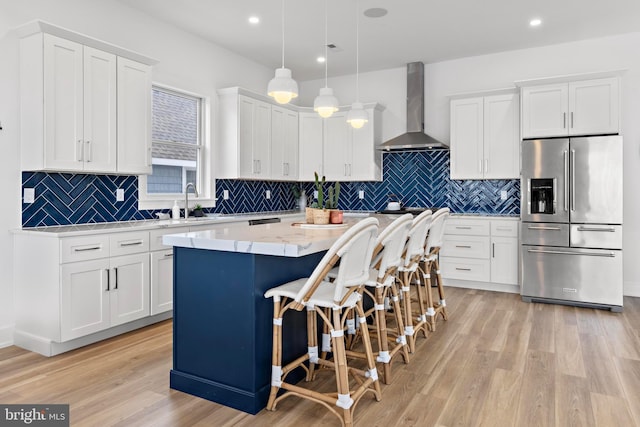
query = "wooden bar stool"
x=429 y=263
x=409 y=273
x=354 y=250
x=381 y=287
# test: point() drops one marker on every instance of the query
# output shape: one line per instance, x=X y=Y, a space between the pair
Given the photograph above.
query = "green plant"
x=320 y=189
x=296 y=189
x=197 y=207
x=334 y=195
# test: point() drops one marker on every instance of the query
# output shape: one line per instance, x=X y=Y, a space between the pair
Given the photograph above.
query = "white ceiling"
x=413 y=30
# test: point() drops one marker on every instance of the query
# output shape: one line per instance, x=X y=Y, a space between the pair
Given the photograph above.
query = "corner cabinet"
x=82 y=109
x=258 y=139
x=484 y=137
x=333 y=148
x=579 y=107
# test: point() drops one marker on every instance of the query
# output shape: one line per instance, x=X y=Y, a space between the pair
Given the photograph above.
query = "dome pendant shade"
x=357 y=117
x=282 y=87
x=325 y=103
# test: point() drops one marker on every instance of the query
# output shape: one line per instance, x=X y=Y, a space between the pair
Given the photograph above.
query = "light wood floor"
x=496 y=362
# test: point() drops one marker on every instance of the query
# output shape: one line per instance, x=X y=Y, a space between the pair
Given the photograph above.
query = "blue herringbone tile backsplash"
x=419 y=179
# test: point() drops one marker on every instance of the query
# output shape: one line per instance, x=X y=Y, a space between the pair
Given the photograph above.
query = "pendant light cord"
x=357 y=51
x=326 y=57
x=282 y=33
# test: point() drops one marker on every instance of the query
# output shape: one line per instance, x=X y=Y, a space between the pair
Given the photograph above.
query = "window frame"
x=206 y=186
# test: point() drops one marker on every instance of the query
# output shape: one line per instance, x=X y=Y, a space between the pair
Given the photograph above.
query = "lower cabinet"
x=480 y=249
x=161 y=281
x=129 y=288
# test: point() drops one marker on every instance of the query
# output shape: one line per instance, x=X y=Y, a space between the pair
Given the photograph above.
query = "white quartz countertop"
x=285 y=238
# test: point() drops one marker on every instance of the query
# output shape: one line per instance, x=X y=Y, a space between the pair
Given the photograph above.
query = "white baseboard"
x=485 y=286
x=631 y=289
x=6 y=336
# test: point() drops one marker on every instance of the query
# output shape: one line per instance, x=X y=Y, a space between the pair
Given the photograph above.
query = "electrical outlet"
x=315 y=194
x=120 y=195
x=29 y=195
x=267 y=194
x=225 y=194
x=503 y=195
x=361 y=194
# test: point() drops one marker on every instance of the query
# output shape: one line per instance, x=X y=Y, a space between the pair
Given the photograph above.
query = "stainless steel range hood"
x=415 y=139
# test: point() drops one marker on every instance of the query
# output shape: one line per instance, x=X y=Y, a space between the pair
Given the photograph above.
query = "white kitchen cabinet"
x=129 y=290
x=79 y=111
x=333 y=148
x=161 y=281
x=484 y=137
x=582 y=107
x=480 y=249
x=284 y=143
x=134 y=117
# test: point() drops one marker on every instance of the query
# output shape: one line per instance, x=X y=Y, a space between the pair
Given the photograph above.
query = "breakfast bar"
x=222 y=321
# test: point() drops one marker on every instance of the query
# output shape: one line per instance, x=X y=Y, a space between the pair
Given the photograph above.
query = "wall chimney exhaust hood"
x=415 y=139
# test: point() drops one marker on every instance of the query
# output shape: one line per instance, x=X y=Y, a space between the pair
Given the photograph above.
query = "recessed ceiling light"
x=535 y=22
x=254 y=20
x=375 y=12
x=321 y=59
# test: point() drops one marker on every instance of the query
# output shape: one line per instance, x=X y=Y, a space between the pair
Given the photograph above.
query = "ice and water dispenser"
x=542 y=196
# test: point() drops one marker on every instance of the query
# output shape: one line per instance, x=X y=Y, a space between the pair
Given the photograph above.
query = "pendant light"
x=325 y=103
x=357 y=117
x=282 y=87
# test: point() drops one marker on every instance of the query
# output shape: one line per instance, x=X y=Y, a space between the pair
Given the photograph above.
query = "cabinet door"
x=129 y=288
x=254 y=137
x=466 y=138
x=134 y=117
x=284 y=143
x=85 y=298
x=504 y=260
x=362 y=165
x=545 y=111
x=337 y=148
x=593 y=107
x=311 y=129
x=63 y=88
x=262 y=140
x=501 y=137
x=161 y=281
x=100 y=137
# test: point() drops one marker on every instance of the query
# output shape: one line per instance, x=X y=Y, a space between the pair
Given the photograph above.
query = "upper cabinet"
x=582 y=107
x=82 y=109
x=333 y=148
x=484 y=137
x=258 y=140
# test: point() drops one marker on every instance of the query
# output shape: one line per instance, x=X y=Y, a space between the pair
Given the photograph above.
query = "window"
x=178 y=149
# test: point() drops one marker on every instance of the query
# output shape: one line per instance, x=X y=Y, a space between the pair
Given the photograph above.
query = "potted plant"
x=197 y=211
x=336 y=215
x=320 y=214
x=300 y=196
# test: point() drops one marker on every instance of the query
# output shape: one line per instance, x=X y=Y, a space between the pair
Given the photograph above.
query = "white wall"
x=186 y=62
x=501 y=70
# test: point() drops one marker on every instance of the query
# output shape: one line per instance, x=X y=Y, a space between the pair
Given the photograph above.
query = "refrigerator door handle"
x=599 y=254
x=566 y=180
x=573 y=180
x=608 y=229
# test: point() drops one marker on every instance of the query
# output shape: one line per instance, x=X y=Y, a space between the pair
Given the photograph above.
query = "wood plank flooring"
x=496 y=362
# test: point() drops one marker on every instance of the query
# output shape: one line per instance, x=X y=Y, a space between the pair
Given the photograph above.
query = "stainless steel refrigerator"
x=571 y=213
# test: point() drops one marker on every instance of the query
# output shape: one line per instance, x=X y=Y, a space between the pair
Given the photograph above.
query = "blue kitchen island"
x=222 y=323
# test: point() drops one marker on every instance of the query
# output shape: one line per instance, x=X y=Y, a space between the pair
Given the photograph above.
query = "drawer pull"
x=608 y=229
x=92 y=248
x=139 y=242
x=463 y=269
x=460 y=227
x=168 y=255
x=463 y=246
x=503 y=228
x=544 y=228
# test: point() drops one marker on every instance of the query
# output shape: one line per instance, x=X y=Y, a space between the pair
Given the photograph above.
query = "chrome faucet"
x=186 y=197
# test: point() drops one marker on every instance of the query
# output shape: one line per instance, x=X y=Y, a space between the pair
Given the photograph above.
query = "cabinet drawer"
x=504 y=228
x=466 y=227
x=155 y=237
x=84 y=248
x=465 y=269
x=465 y=246
x=129 y=243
